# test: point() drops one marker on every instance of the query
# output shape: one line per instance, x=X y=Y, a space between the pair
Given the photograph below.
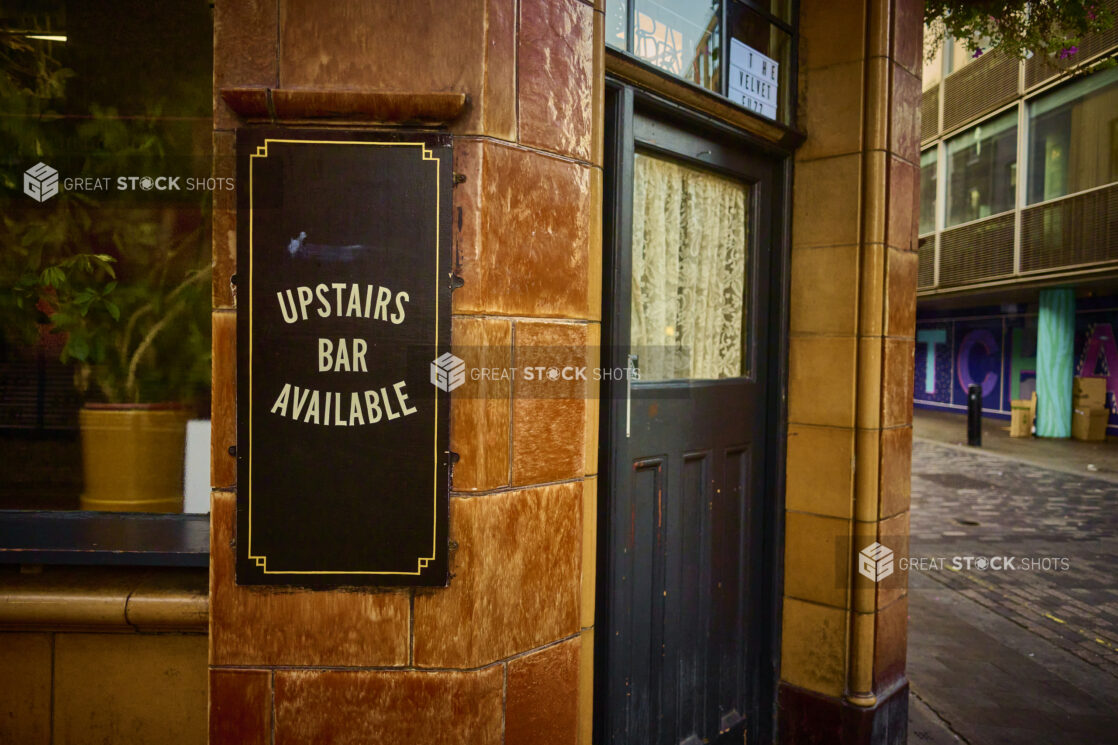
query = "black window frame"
x=754 y=6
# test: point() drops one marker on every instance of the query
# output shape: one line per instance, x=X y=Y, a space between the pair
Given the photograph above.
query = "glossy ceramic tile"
x=265 y=626
x=223 y=400
x=541 y=696
x=824 y=290
x=387 y=707
x=555 y=60
x=240 y=707
x=525 y=243
x=813 y=647
x=245 y=38
x=516 y=578
x=549 y=414
x=819 y=472
x=480 y=409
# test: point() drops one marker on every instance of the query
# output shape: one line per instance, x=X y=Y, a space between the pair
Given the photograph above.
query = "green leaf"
x=77 y=347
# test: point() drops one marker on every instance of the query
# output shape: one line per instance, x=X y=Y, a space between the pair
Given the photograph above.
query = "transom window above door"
x=740 y=49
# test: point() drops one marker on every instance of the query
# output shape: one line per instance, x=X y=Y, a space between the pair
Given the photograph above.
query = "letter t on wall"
x=933 y=338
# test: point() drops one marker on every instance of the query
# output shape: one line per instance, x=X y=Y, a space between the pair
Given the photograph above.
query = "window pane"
x=104 y=273
x=1073 y=140
x=982 y=170
x=616 y=13
x=690 y=262
x=761 y=87
x=928 y=191
x=680 y=37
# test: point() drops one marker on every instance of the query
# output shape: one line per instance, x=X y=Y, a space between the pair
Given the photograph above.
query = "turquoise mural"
x=1055 y=338
x=997 y=347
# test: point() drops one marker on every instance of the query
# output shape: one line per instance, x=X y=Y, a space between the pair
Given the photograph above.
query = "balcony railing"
x=1074 y=234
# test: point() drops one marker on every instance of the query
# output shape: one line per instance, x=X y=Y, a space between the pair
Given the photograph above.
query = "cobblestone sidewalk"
x=968 y=504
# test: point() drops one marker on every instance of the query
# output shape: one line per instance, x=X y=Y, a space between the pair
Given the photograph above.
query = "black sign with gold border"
x=343 y=302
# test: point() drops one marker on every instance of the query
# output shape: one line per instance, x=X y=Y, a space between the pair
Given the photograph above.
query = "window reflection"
x=928 y=177
x=1073 y=141
x=982 y=170
x=680 y=37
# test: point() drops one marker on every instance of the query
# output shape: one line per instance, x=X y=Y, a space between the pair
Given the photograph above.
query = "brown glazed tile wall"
x=479 y=410
x=519 y=257
x=263 y=627
x=252 y=28
x=241 y=712
x=548 y=416
x=419 y=45
x=223 y=400
x=516 y=583
x=378 y=707
x=541 y=699
x=499 y=655
x=555 y=61
x=224 y=229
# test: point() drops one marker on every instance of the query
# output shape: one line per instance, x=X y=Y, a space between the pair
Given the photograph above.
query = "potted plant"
x=116 y=285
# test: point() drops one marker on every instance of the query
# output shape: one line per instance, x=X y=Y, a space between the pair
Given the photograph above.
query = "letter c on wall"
x=989 y=344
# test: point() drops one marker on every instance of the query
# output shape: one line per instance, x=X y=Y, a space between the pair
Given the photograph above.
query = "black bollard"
x=974 y=415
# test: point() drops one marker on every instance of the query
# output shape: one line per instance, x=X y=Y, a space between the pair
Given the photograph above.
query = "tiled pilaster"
x=850 y=367
x=474 y=662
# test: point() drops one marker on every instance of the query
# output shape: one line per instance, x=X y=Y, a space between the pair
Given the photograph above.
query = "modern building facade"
x=676 y=560
x=1018 y=277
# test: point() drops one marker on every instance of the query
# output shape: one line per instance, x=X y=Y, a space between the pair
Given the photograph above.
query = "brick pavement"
x=1012 y=656
x=969 y=504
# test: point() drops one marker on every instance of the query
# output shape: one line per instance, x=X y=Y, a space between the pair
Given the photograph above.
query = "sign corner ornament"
x=343 y=264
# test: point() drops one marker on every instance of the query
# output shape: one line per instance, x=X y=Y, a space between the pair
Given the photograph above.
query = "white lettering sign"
x=754 y=80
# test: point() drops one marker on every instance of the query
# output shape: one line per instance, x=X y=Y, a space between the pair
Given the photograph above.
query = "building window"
x=928 y=165
x=982 y=170
x=740 y=49
x=1073 y=138
x=104 y=245
x=933 y=69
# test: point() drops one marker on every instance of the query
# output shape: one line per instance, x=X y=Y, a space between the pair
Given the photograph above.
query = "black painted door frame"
x=632 y=113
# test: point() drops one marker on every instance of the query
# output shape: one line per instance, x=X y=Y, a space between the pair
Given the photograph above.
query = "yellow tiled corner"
x=816 y=558
x=831 y=106
x=821 y=380
x=824 y=290
x=867 y=476
x=589 y=549
x=813 y=647
x=869 y=382
x=825 y=202
x=586 y=688
x=820 y=470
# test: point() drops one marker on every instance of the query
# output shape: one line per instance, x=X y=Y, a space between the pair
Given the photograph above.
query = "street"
x=1022 y=649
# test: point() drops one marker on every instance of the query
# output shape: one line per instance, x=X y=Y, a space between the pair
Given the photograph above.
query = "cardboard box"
x=1020 y=418
x=1088 y=392
x=1089 y=424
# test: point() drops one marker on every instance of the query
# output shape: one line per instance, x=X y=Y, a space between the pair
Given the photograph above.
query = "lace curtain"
x=689 y=272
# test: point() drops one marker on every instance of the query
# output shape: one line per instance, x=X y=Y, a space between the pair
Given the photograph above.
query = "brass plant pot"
x=132 y=457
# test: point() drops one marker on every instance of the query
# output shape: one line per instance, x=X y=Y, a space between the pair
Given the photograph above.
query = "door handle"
x=631 y=363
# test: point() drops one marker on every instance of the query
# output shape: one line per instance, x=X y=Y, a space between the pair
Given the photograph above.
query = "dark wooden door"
x=682 y=606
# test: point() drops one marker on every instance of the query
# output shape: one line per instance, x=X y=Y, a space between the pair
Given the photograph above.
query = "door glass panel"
x=690 y=272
